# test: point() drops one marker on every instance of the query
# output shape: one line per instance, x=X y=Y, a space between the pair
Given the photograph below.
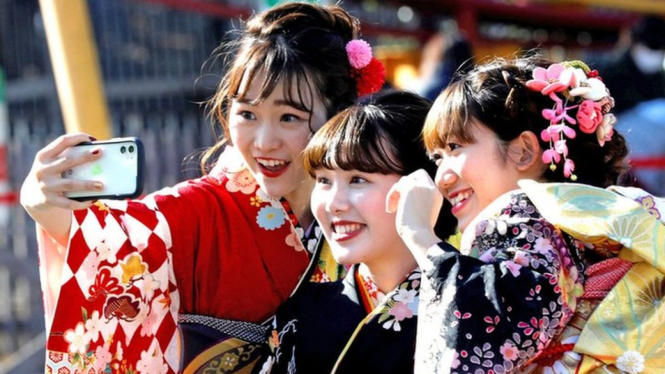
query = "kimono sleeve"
x=495 y=308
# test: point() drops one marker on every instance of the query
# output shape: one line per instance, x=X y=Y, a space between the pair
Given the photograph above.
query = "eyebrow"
x=291 y=104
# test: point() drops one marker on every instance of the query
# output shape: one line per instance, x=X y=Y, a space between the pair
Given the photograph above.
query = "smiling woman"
x=181 y=280
x=355 y=159
x=547 y=273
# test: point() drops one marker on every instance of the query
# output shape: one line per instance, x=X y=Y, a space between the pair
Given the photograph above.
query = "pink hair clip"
x=368 y=72
x=572 y=85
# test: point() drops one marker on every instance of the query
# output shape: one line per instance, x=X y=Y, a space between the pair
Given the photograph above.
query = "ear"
x=526 y=151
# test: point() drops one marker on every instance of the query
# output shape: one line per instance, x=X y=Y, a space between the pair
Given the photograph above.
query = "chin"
x=273 y=189
x=342 y=258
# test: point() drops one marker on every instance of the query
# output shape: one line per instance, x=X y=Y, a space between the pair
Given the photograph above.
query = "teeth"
x=459 y=197
x=271 y=163
x=345 y=229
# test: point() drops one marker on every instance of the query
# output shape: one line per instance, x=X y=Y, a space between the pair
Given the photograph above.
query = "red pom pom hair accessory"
x=368 y=72
x=572 y=85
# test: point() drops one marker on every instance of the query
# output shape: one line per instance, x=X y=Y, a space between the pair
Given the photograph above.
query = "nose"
x=266 y=137
x=337 y=200
x=445 y=177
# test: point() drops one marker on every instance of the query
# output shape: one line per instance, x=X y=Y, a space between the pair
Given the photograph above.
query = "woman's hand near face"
x=416 y=201
x=42 y=192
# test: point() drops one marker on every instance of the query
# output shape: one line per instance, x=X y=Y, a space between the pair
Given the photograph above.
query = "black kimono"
x=343 y=327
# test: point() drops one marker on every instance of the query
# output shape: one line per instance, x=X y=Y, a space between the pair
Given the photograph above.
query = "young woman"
x=551 y=277
x=214 y=256
x=355 y=159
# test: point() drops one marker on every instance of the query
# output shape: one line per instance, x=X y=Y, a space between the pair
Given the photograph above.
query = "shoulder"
x=512 y=209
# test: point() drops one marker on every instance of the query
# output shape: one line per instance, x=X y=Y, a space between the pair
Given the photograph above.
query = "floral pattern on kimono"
x=334 y=327
x=132 y=266
x=565 y=278
x=492 y=307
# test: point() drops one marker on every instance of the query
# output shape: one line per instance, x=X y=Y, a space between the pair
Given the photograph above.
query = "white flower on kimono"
x=94 y=326
x=500 y=226
x=152 y=360
x=149 y=324
x=149 y=285
x=270 y=218
x=102 y=358
x=90 y=265
x=406 y=296
x=543 y=246
x=105 y=253
x=631 y=362
x=78 y=339
x=242 y=181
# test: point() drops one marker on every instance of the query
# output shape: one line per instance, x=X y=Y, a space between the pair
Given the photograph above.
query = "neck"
x=299 y=202
x=388 y=273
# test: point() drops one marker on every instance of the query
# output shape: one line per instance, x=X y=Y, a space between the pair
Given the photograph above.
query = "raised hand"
x=42 y=192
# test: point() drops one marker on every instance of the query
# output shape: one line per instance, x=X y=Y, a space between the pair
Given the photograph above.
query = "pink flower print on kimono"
x=293 y=239
x=242 y=181
x=400 y=304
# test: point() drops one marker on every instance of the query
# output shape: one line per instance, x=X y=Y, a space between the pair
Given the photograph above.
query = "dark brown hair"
x=494 y=95
x=379 y=134
x=300 y=43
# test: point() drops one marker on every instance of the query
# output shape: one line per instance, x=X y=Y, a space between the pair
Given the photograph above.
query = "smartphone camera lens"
x=123 y=149
x=131 y=149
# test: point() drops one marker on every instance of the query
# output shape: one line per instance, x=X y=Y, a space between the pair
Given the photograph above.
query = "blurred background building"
x=158 y=67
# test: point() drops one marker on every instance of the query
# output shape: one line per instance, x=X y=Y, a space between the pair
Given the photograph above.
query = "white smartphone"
x=120 y=169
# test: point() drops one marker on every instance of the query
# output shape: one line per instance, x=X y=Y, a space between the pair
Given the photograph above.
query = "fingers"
x=56 y=147
x=56 y=158
x=69 y=185
x=44 y=187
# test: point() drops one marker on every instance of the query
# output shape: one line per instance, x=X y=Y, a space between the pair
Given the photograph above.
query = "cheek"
x=318 y=204
x=238 y=135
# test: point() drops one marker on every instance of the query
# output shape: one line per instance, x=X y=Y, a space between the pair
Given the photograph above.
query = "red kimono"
x=216 y=246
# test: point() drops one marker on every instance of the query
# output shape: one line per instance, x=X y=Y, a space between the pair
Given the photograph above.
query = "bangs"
x=276 y=64
x=449 y=118
x=351 y=141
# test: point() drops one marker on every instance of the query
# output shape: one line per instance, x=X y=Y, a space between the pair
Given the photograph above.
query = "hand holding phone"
x=119 y=169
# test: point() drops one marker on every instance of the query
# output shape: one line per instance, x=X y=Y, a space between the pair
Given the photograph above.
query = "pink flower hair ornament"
x=368 y=72
x=572 y=86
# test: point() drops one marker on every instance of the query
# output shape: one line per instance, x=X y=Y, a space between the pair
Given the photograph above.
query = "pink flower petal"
x=554 y=87
x=569 y=132
x=549 y=114
x=550 y=155
x=540 y=74
x=536 y=85
x=561 y=147
x=554 y=71
x=568 y=168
